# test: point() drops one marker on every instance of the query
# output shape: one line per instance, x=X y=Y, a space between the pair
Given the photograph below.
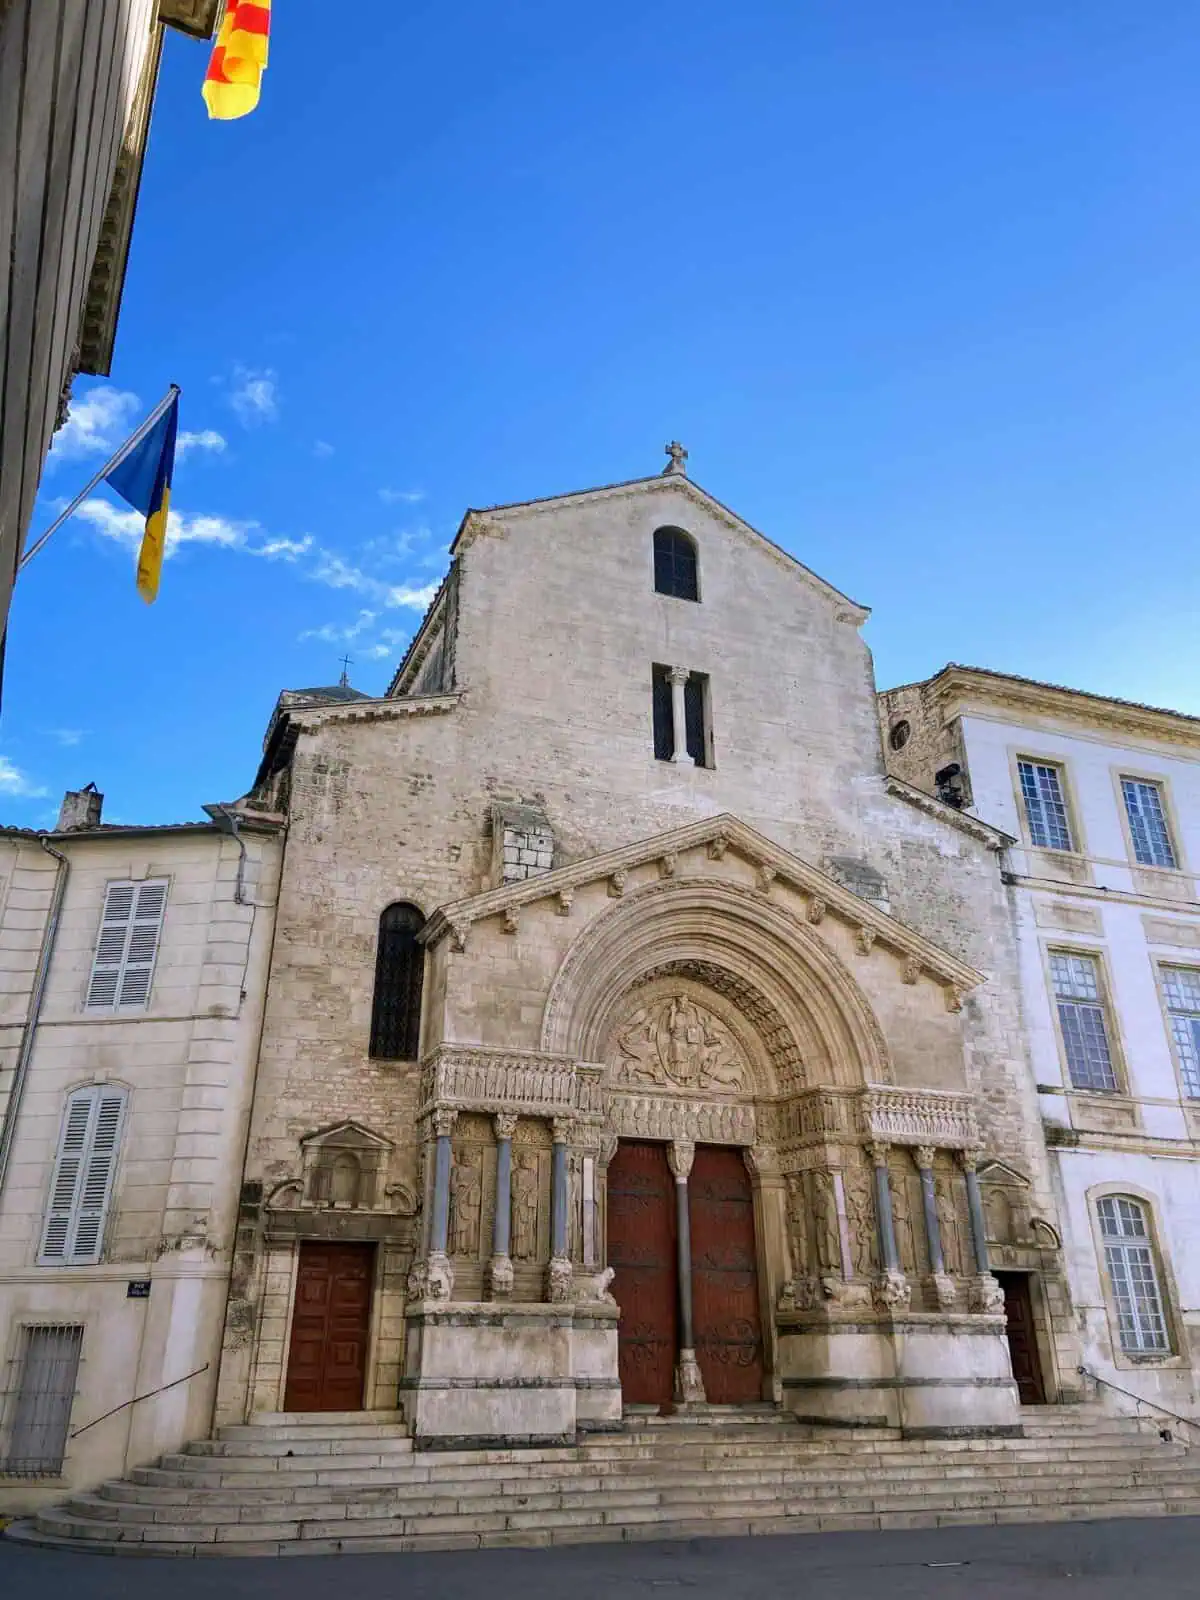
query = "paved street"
x=1094 y=1561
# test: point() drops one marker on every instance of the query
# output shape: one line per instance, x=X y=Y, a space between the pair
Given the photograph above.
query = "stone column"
x=933 y=1232
x=689 y=1385
x=943 y=1284
x=559 y=1276
x=986 y=1293
x=892 y=1292
x=500 y=1269
x=677 y=677
x=433 y=1278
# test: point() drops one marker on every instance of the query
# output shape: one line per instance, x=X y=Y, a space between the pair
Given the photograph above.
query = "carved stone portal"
x=674 y=1042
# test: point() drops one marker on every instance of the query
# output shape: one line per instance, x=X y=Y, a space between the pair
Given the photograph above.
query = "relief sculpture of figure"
x=798 y=1218
x=948 y=1226
x=466 y=1194
x=862 y=1222
x=906 y=1242
x=829 y=1239
x=575 y=1207
x=525 y=1206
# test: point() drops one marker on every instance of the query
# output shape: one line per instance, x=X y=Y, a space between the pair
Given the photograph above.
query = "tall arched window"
x=1125 y=1234
x=676 y=564
x=399 y=970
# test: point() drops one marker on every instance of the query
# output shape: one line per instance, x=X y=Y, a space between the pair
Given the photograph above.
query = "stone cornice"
x=485 y=522
x=994 y=838
x=720 y=834
x=955 y=687
x=309 y=718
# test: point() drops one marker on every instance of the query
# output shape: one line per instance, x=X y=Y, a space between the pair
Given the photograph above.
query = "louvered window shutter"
x=83 y=1176
x=128 y=943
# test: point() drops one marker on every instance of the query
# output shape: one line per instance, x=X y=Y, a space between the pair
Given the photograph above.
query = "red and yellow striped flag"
x=239 y=59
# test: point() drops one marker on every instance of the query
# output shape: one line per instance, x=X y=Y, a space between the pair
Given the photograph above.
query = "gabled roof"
x=735 y=835
x=674 y=483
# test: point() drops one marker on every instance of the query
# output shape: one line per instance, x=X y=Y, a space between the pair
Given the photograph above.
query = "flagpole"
x=131 y=443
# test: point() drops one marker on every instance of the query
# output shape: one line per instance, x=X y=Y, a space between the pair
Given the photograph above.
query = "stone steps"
x=288 y=1484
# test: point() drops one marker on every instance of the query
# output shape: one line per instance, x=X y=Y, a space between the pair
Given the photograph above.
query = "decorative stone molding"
x=817 y=908
x=561 y=1130
x=954 y=998
x=717 y=847
x=925 y=1155
x=431 y=1280
x=504 y=1124
x=526 y=1083
x=559 y=1281
x=668 y=864
x=459 y=933
x=912 y=970
x=566 y=899
x=920 y=1117
x=945 y=1291
x=442 y=1121
x=864 y=939
x=764 y=877
x=891 y=1291
x=668 y=1118
x=512 y=920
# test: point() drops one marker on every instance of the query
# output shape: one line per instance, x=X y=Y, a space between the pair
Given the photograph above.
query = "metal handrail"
x=1188 y=1422
x=149 y=1395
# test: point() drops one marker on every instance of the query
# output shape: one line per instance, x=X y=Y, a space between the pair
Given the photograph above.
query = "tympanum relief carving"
x=674 y=1042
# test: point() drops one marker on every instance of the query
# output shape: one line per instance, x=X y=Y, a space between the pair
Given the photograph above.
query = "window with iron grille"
x=37 y=1407
x=1045 y=807
x=130 y=925
x=399 y=976
x=1133 y=1276
x=676 y=567
x=81 y=1188
x=1148 y=829
x=1181 y=990
x=1081 y=1015
x=662 y=712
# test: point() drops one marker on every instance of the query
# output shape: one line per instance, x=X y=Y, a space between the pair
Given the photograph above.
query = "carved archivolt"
x=759 y=944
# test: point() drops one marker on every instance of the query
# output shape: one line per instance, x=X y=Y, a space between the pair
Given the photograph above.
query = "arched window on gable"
x=676 y=564
x=1129 y=1257
x=399 y=973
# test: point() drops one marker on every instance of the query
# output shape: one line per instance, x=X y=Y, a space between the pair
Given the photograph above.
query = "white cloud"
x=15 y=783
x=206 y=439
x=97 y=423
x=283 y=549
x=331 y=633
x=255 y=395
x=66 y=736
x=322 y=450
x=401 y=497
x=405 y=595
x=127 y=527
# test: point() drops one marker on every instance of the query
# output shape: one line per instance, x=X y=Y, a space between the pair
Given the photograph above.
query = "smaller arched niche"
x=676 y=564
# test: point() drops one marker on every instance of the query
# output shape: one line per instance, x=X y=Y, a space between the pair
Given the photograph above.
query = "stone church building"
x=632 y=1038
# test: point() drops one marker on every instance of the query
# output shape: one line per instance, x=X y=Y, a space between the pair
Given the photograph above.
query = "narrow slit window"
x=399 y=978
x=695 y=717
x=662 y=712
x=676 y=565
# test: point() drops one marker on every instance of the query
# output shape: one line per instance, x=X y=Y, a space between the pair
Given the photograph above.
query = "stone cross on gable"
x=678 y=461
x=346 y=665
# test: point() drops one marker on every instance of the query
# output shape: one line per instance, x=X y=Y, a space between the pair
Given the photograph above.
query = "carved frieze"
x=666 y=1117
x=527 y=1082
x=920 y=1116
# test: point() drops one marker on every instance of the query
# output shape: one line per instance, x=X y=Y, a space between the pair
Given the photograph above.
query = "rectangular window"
x=39 y=1407
x=1181 y=989
x=83 y=1177
x=664 y=717
x=1152 y=845
x=1133 y=1275
x=130 y=925
x=1081 y=1015
x=695 y=709
x=1045 y=807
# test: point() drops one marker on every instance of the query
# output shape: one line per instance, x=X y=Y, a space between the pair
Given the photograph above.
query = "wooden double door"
x=643 y=1249
x=331 y=1325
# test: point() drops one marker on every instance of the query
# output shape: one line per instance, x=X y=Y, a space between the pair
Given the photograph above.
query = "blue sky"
x=916 y=285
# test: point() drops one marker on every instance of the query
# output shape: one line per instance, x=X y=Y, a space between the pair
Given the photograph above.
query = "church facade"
x=633 y=1039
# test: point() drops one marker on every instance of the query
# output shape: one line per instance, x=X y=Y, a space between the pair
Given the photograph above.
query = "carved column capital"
x=504 y=1124
x=443 y=1119
x=879 y=1150
x=680 y=1155
x=561 y=1129
x=925 y=1154
x=677 y=676
x=968 y=1159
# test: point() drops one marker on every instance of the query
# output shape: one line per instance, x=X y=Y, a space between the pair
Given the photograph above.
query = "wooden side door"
x=327 y=1358
x=1022 y=1338
x=642 y=1251
x=729 y=1346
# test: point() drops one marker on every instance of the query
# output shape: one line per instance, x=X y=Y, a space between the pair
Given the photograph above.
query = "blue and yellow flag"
x=143 y=478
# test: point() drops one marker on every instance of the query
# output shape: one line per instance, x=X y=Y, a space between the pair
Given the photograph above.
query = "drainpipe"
x=228 y=823
x=16 y=1093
